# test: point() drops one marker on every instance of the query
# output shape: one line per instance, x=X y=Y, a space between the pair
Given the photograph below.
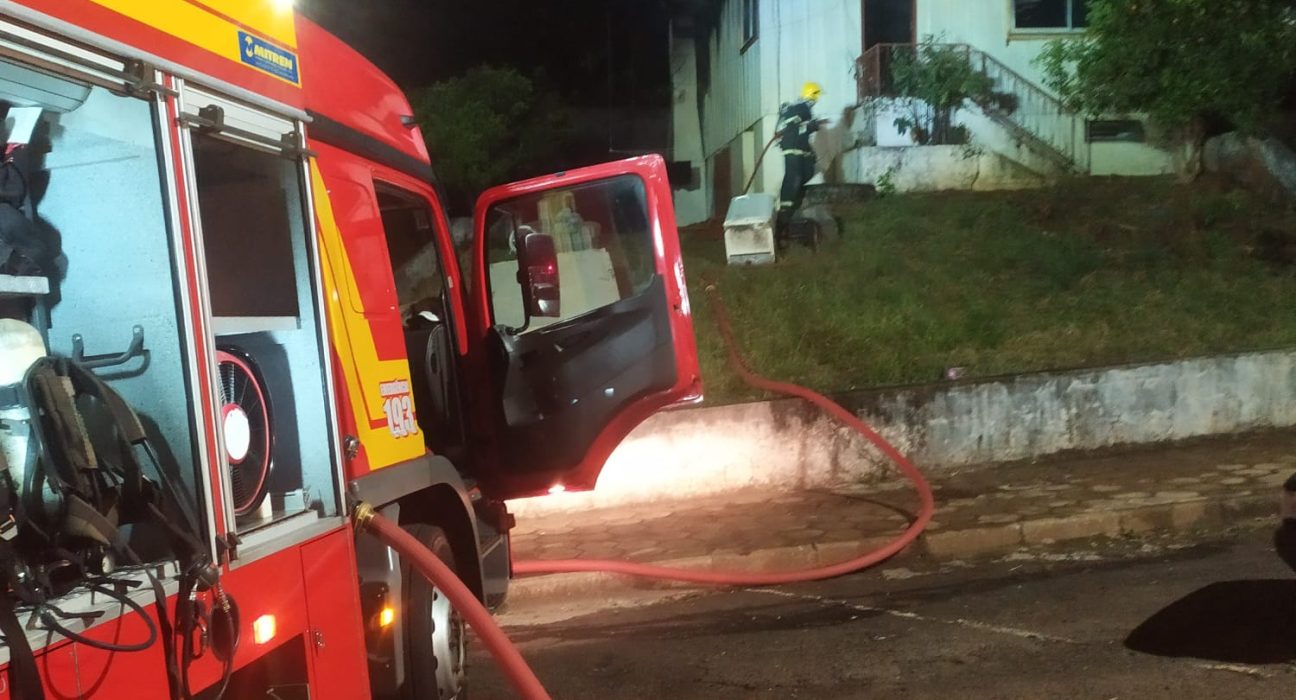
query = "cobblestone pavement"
x=979 y=511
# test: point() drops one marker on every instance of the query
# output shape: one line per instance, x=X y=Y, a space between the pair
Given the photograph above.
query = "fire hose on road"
x=474 y=613
x=507 y=656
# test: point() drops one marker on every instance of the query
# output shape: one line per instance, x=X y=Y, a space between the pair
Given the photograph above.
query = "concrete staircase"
x=1029 y=116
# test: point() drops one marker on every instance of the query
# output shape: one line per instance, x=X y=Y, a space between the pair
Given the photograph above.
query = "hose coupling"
x=363 y=515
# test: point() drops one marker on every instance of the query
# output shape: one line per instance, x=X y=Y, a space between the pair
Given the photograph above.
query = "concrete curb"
x=939 y=543
x=788 y=444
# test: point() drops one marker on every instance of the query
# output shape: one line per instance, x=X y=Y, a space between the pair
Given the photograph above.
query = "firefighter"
x=796 y=123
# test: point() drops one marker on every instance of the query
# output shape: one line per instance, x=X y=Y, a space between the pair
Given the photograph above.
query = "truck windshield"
x=90 y=246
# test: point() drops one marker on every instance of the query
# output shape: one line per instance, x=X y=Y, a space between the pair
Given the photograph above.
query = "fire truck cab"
x=233 y=222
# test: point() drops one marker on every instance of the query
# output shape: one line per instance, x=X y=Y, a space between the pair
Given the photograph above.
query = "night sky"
x=569 y=43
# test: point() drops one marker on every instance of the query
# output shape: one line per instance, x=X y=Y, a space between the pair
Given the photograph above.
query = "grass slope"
x=1090 y=272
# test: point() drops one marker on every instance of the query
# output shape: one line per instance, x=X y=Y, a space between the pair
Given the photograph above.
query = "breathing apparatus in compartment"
x=21 y=346
x=80 y=512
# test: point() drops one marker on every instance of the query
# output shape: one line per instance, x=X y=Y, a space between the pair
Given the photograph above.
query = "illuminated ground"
x=1201 y=484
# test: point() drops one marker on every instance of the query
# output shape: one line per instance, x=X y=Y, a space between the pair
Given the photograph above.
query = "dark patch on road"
x=1249 y=622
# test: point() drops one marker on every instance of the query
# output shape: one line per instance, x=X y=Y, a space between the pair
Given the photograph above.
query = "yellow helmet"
x=812 y=92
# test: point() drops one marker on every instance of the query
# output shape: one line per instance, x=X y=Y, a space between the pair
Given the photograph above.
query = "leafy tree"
x=1185 y=64
x=941 y=77
x=490 y=126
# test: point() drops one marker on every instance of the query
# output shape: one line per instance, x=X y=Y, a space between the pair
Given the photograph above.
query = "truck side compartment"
x=248 y=207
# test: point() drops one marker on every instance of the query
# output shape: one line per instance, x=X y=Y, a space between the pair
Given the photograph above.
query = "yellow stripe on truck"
x=354 y=342
x=207 y=23
x=272 y=19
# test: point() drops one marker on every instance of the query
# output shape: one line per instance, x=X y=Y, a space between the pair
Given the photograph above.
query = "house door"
x=888 y=22
x=722 y=182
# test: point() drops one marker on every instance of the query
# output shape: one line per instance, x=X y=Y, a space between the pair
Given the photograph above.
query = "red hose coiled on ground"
x=734 y=578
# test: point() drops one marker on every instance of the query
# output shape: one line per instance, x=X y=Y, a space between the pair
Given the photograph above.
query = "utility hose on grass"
x=507 y=656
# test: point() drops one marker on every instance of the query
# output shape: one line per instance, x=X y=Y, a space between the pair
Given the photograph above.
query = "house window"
x=1115 y=131
x=1051 y=14
x=751 y=21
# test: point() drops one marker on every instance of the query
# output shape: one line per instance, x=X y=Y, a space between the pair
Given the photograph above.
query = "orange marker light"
x=386 y=617
x=263 y=629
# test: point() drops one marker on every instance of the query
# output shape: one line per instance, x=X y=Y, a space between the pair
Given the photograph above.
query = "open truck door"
x=583 y=320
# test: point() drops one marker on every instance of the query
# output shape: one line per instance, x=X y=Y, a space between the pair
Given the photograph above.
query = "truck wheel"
x=436 y=642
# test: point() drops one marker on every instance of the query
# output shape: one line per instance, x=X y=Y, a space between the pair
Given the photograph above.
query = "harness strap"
x=84 y=520
x=24 y=678
x=124 y=417
x=185 y=624
x=167 y=633
x=71 y=444
x=131 y=430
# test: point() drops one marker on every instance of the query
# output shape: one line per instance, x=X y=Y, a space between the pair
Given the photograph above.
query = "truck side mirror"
x=538 y=274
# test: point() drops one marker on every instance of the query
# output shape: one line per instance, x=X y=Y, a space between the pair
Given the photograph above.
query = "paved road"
x=1169 y=618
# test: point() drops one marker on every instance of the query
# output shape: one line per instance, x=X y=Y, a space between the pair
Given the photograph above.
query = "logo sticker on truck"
x=263 y=55
x=399 y=407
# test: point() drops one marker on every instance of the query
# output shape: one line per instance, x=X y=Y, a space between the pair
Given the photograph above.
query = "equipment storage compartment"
x=84 y=182
x=89 y=270
x=272 y=388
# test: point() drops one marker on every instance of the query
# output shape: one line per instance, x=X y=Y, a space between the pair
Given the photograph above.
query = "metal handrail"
x=1034 y=115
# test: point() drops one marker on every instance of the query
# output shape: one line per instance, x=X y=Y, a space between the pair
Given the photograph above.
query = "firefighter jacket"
x=796 y=123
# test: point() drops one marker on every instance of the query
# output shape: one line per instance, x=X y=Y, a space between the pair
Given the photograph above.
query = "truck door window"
x=274 y=414
x=412 y=252
x=420 y=289
x=602 y=240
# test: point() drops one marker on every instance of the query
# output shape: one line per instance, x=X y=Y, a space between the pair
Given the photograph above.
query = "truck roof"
x=260 y=50
x=344 y=86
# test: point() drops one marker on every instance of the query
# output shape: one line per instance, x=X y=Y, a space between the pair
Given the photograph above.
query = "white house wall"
x=935 y=168
x=804 y=41
x=733 y=102
x=986 y=25
x=810 y=40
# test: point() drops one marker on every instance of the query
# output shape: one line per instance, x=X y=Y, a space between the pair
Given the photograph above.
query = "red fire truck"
x=225 y=234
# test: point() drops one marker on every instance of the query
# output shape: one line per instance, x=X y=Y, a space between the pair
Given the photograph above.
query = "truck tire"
x=436 y=642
